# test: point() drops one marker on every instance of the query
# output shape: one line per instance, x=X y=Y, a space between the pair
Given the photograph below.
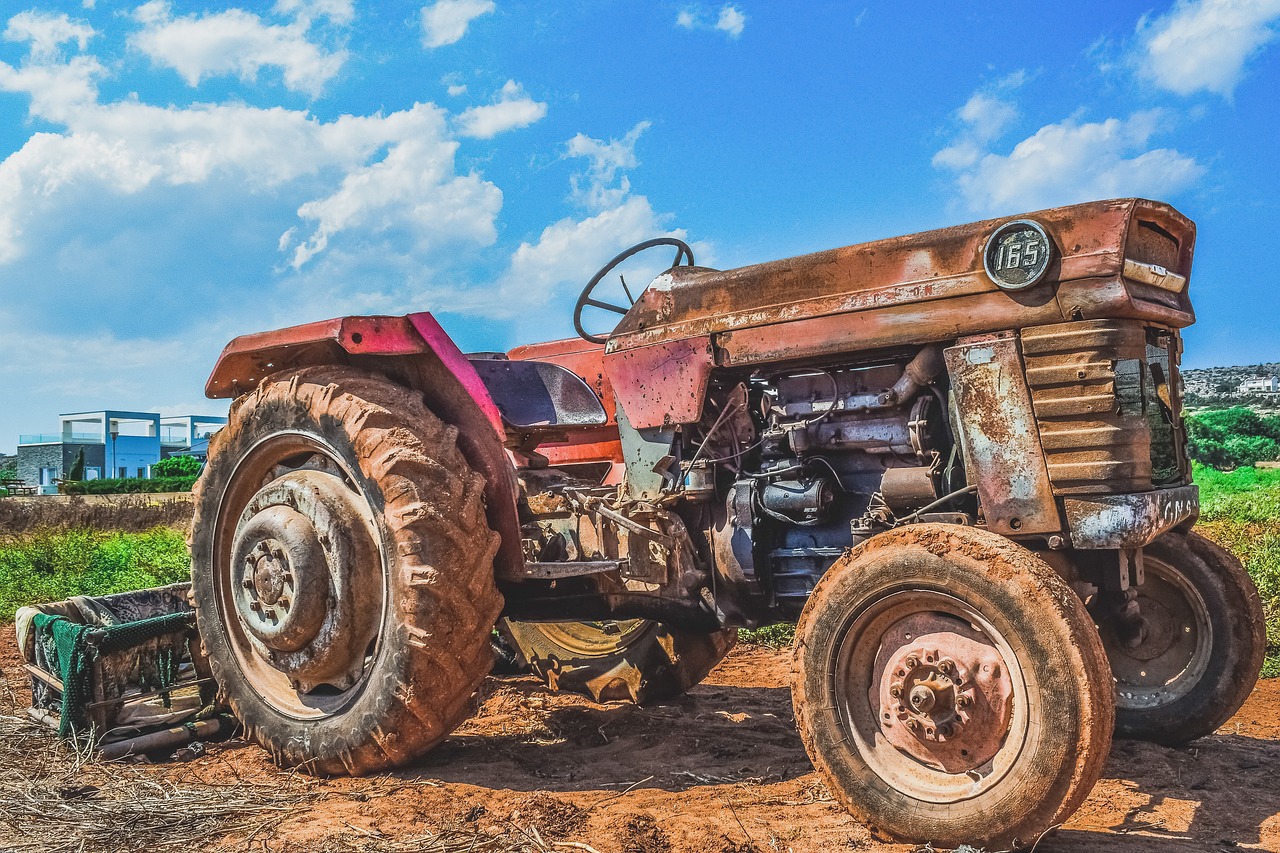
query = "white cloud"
x=1203 y=45
x=729 y=19
x=395 y=172
x=569 y=251
x=340 y=12
x=446 y=21
x=984 y=118
x=47 y=33
x=601 y=185
x=413 y=188
x=1070 y=162
x=511 y=109
x=238 y=42
x=456 y=90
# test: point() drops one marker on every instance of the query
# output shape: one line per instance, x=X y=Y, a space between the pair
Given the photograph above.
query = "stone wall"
x=36 y=456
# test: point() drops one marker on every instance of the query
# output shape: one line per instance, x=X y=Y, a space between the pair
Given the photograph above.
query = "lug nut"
x=247 y=583
x=287 y=577
x=253 y=605
x=895 y=691
x=913 y=725
x=946 y=667
x=964 y=701
x=284 y=602
x=912 y=662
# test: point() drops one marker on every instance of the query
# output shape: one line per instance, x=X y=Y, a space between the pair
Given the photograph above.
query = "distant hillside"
x=1216 y=386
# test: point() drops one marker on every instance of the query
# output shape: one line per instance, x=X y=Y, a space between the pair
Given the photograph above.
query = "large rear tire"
x=1202 y=646
x=342 y=571
x=950 y=688
x=636 y=660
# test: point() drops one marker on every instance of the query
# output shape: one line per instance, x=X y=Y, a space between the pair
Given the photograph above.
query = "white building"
x=1260 y=385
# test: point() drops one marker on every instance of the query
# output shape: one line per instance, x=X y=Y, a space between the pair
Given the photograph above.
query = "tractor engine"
x=818 y=458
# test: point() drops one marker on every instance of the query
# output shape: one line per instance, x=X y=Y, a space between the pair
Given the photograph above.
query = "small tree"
x=76 y=471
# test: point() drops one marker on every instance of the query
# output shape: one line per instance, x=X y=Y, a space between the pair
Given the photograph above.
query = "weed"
x=50 y=565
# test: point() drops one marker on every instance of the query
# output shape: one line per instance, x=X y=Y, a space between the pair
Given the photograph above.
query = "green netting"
x=74 y=648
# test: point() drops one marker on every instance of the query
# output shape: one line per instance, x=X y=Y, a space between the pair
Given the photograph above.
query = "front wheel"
x=636 y=660
x=342 y=569
x=950 y=688
x=1200 y=647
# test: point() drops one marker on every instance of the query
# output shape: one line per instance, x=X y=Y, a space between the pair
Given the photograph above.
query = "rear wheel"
x=342 y=571
x=950 y=688
x=1201 y=646
x=635 y=660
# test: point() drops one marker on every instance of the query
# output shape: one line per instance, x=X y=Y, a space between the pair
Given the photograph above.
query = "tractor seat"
x=538 y=396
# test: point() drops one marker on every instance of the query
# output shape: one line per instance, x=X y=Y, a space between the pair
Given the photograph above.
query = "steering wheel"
x=584 y=298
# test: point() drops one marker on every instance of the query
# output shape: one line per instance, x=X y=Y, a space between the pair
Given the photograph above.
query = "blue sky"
x=173 y=174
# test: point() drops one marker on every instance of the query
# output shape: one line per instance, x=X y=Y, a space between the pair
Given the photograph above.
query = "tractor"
x=956 y=459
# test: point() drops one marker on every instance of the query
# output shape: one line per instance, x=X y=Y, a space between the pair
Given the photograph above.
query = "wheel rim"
x=1176 y=646
x=299 y=577
x=594 y=639
x=931 y=695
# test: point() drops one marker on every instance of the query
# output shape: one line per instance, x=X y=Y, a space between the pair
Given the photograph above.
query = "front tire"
x=950 y=688
x=1202 y=646
x=342 y=571
x=636 y=660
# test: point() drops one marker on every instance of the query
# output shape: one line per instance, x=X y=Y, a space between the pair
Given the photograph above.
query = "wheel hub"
x=299 y=552
x=283 y=594
x=1175 y=645
x=945 y=700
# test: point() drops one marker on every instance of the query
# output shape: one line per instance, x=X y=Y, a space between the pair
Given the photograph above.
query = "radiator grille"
x=1092 y=395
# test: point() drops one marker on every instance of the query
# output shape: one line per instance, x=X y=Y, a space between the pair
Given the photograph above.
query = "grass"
x=1240 y=510
x=51 y=565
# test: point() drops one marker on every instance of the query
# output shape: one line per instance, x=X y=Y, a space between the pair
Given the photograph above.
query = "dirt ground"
x=720 y=770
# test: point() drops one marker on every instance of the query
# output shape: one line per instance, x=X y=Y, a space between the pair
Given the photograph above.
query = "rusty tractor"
x=956 y=458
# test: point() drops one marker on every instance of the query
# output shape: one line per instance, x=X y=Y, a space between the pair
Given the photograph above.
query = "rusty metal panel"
x=1100 y=522
x=1090 y=244
x=1086 y=381
x=664 y=384
x=999 y=436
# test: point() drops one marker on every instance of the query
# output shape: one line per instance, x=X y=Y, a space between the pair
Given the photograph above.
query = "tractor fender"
x=413 y=350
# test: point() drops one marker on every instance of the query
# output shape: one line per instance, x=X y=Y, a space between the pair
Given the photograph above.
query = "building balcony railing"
x=58 y=437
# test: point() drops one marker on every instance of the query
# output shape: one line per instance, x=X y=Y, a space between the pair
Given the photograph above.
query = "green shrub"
x=128 y=485
x=177 y=466
x=1231 y=438
x=54 y=565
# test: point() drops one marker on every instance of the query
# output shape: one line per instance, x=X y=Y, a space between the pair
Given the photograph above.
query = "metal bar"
x=173 y=688
x=175 y=736
x=573 y=569
x=634 y=526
